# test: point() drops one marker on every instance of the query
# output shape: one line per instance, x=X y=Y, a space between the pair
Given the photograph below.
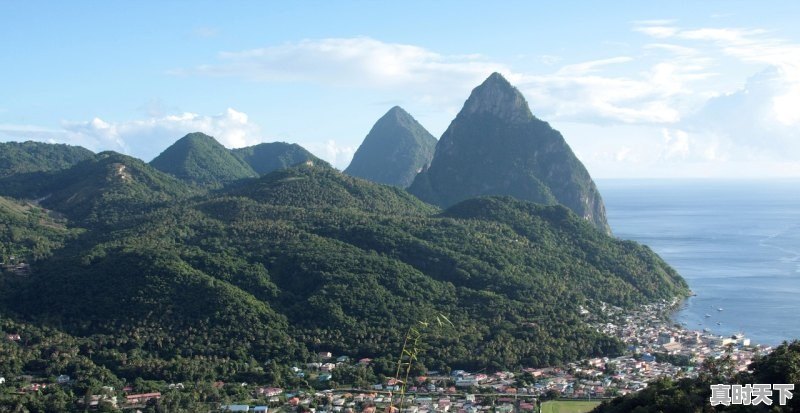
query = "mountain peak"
x=396 y=148
x=495 y=146
x=497 y=97
x=397 y=115
x=199 y=159
x=197 y=136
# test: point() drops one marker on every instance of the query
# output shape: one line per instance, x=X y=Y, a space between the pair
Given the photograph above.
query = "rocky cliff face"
x=394 y=151
x=495 y=146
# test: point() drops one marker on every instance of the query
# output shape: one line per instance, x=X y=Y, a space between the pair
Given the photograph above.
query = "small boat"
x=718 y=323
x=708 y=315
x=719 y=309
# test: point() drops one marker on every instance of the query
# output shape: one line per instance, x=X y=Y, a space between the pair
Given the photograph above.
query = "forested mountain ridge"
x=267 y=157
x=307 y=259
x=495 y=146
x=28 y=157
x=199 y=159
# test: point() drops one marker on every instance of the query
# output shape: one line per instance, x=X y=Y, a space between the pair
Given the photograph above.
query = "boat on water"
x=719 y=309
x=708 y=315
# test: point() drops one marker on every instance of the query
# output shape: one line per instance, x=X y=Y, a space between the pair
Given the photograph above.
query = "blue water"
x=737 y=244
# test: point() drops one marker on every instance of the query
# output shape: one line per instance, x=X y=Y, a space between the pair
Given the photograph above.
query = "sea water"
x=737 y=244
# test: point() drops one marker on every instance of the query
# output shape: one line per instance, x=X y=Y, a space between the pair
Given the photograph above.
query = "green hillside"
x=108 y=188
x=267 y=157
x=28 y=157
x=308 y=259
x=29 y=233
x=200 y=160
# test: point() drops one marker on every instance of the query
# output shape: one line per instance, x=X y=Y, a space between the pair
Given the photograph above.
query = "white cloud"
x=337 y=154
x=359 y=61
x=575 y=91
x=676 y=143
x=144 y=138
x=760 y=120
x=148 y=137
x=591 y=66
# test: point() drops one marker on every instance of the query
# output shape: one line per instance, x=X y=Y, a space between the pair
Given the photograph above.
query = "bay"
x=737 y=244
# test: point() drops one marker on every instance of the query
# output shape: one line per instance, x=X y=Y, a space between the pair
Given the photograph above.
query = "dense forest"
x=136 y=275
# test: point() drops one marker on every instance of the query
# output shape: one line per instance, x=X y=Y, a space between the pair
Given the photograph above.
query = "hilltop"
x=199 y=159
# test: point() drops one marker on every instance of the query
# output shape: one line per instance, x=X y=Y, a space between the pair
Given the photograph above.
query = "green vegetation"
x=29 y=157
x=267 y=157
x=395 y=149
x=107 y=189
x=200 y=160
x=495 y=146
x=29 y=233
x=144 y=278
x=568 y=406
x=692 y=395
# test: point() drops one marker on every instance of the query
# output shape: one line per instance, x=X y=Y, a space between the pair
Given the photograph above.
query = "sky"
x=654 y=89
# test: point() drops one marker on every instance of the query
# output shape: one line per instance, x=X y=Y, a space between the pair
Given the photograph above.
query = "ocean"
x=737 y=244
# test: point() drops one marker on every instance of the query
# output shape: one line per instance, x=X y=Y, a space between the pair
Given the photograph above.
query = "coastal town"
x=655 y=347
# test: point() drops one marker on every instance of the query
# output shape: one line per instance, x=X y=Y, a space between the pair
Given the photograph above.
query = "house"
x=2 y=380
x=96 y=399
x=342 y=359
x=141 y=398
x=235 y=408
x=526 y=406
x=260 y=409
x=270 y=391
x=14 y=337
x=325 y=355
x=62 y=379
x=365 y=361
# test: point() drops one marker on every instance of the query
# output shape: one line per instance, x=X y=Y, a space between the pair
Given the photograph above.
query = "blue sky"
x=639 y=89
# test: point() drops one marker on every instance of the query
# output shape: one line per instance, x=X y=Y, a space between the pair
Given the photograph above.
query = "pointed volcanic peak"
x=495 y=146
x=200 y=160
x=317 y=185
x=267 y=157
x=107 y=188
x=496 y=97
x=395 y=150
